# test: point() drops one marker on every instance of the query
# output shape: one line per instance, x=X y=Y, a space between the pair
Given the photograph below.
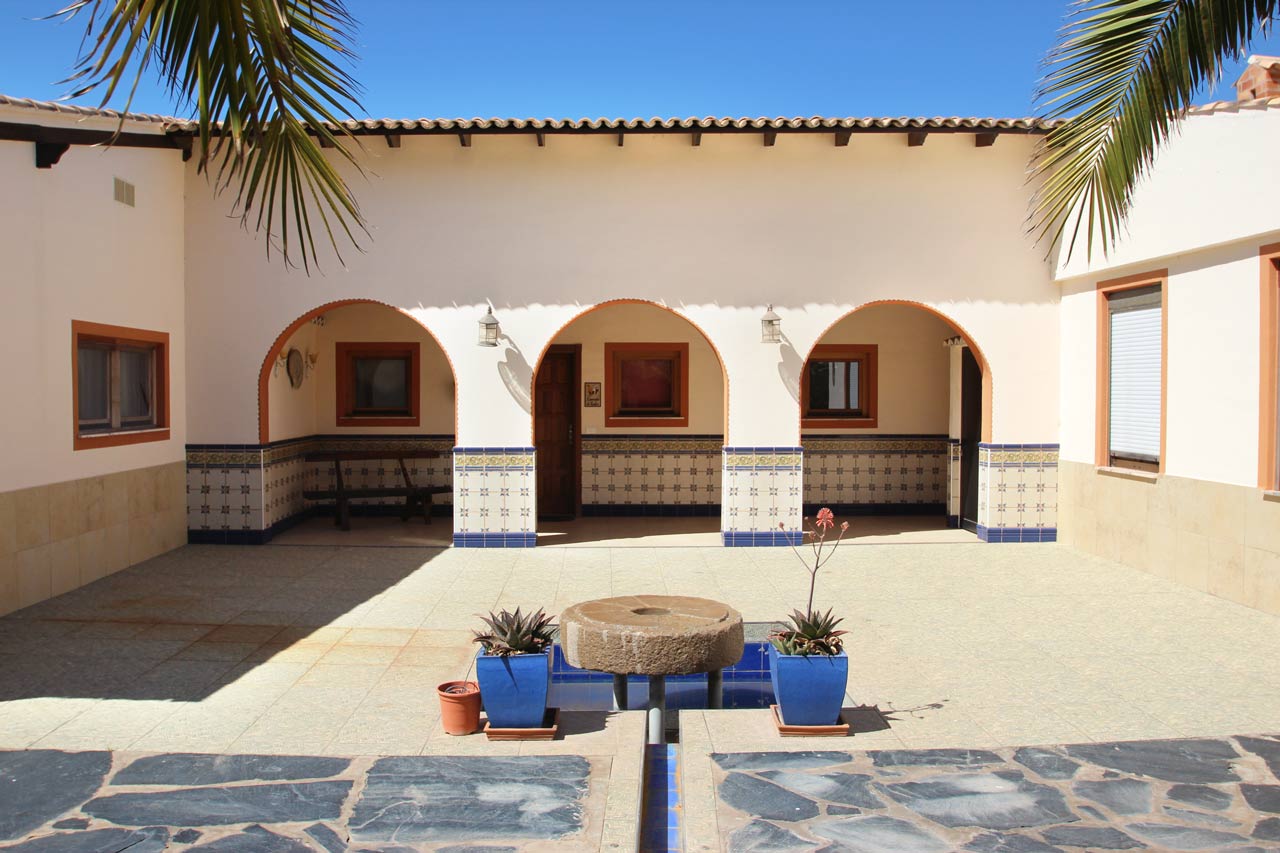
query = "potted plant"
x=807 y=662
x=514 y=668
x=459 y=707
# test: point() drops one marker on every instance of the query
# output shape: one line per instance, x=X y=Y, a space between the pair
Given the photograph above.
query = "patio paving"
x=1193 y=794
x=336 y=651
x=100 y=802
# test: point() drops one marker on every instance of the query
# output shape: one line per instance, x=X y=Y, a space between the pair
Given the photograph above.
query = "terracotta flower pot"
x=459 y=707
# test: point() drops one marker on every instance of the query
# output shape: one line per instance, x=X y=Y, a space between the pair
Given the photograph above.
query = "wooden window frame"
x=1269 y=349
x=345 y=354
x=869 y=355
x=616 y=353
x=116 y=337
x=1102 y=420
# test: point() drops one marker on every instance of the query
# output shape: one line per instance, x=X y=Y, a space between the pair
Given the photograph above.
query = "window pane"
x=647 y=383
x=382 y=384
x=1135 y=376
x=854 y=376
x=136 y=392
x=827 y=385
x=94 y=380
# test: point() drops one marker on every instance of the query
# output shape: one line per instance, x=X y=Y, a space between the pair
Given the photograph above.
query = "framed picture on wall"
x=591 y=395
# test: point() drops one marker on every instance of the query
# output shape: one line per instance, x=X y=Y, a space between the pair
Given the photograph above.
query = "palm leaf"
x=1122 y=76
x=267 y=83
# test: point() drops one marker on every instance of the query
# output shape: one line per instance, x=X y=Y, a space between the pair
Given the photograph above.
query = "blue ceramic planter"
x=514 y=689
x=809 y=688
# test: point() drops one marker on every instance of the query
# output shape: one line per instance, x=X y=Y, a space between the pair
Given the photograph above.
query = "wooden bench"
x=415 y=497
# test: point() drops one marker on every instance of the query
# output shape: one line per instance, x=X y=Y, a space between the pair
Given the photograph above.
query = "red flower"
x=825 y=520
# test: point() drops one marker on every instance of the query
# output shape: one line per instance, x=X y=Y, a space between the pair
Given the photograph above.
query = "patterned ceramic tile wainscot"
x=761 y=496
x=1018 y=492
x=876 y=474
x=495 y=501
x=651 y=475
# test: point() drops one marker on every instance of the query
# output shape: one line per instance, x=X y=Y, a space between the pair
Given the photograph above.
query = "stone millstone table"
x=653 y=635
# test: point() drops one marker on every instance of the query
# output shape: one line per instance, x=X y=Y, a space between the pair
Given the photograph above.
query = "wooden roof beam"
x=984 y=140
x=542 y=139
x=770 y=137
x=695 y=138
x=916 y=138
x=464 y=139
x=842 y=138
x=393 y=140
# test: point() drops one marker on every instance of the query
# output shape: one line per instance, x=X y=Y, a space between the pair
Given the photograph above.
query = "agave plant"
x=810 y=633
x=515 y=633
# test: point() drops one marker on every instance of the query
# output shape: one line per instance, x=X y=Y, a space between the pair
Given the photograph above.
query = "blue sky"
x=652 y=58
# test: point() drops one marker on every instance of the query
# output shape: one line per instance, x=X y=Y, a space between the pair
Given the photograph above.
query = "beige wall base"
x=1214 y=537
x=56 y=538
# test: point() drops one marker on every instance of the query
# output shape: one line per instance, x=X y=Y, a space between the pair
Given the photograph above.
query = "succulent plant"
x=810 y=633
x=515 y=633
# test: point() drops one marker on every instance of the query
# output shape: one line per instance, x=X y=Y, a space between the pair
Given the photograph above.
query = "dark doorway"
x=970 y=436
x=556 y=424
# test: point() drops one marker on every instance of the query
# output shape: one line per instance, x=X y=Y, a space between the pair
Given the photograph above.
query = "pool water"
x=746 y=685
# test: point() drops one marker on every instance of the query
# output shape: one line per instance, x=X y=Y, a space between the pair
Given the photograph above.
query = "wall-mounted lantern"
x=488 y=329
x=770 y=327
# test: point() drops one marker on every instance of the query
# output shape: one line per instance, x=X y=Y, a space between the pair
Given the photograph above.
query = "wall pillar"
x=761 y=496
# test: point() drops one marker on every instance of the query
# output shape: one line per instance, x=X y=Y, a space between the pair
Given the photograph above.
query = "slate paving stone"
x=96 y=841
x=1122 y=796
x=187 y=836
x=879 y=834
x=779 y=760
x=1000 y=800
x=1177 y=837
x=1267 y=830
x=933 y=757
x=456 y=799
x=843 y=810
x=219 y=806
x=71 y=823
x=1091 y=838
x=255 y=839
x=1193 y=760
x=849 y=789
x=1201 y=796
x=327 y=838
x=764 y=799
x=1268 y=749
x=1189 y=816
x=471 y=848
x=190 y=770
x=1047 y=763
x=1000 y=842
x=760 y=836
x=1263 y=798
x=39 y=785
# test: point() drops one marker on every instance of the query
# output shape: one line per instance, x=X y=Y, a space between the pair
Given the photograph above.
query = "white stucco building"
x=930 y=359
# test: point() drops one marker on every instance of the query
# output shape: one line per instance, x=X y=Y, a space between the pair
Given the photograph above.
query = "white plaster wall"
x=292 y=411
x=715 y=232
x=71 y=252
x=1211 y=419
x=913 y=368
x=629 y=322
x=1214 y=183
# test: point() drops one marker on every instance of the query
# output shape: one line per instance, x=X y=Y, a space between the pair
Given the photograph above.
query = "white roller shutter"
x=1135 y=374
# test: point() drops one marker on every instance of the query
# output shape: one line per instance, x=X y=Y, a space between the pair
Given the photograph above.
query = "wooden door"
x=555 y=434
x=970 y=435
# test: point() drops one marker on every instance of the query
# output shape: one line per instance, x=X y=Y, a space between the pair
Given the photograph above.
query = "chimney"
x=1261 y=79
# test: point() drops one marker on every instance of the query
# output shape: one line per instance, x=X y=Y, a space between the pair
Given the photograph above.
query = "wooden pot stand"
x=549 y=729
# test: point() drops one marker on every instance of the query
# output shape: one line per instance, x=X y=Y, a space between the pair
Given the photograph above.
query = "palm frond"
x=1122 y=76
x=267 y=83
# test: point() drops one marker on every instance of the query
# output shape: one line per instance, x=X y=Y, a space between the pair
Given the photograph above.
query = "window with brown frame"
x=377 y=384
x=1131 y=366
x=647 y=384
x=120 y=379
x=838 y=386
